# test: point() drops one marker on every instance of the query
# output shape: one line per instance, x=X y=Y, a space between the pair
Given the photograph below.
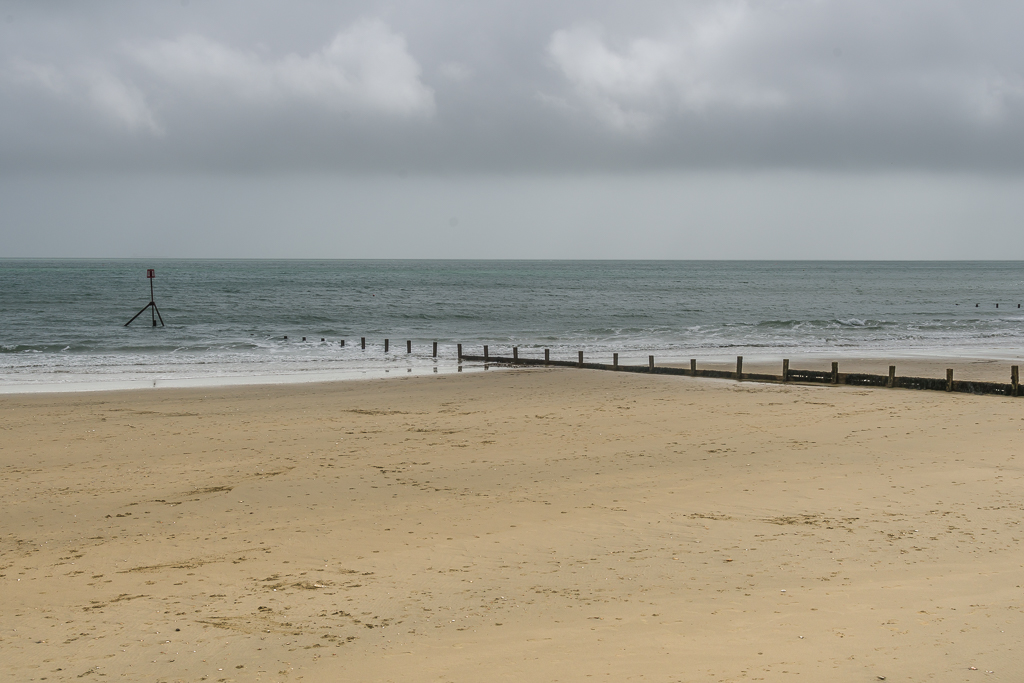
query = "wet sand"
x=976 y=369
x=544 y=524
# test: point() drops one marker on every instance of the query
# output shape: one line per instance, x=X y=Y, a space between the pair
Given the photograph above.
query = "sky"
x=821 y=129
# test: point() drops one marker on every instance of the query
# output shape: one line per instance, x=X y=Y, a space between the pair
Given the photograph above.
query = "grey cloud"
x=847 y=74
x=450 y=86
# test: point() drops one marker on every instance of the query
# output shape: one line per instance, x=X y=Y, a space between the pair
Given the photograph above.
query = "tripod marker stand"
x=155 y=312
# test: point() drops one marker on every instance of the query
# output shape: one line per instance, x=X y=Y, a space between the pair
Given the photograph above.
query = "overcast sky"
x=706 y=129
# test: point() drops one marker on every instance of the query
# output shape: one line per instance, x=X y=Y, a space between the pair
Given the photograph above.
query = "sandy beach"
x=526 y=525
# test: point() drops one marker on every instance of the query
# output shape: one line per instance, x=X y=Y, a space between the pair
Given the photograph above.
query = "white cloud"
x=116 y=100
x=365 y=67
x=646 y=79
x=772 y=56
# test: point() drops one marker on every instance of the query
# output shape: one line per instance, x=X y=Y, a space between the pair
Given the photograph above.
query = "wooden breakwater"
x=789 y=375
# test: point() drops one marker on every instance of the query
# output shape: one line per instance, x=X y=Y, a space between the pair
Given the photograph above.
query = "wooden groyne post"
x=362 y=342
x=832 y=377
x=435 y=350
x=386 y=342
x=408 y=346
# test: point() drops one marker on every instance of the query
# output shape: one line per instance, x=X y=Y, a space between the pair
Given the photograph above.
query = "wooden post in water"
x=547 y=356
x=949 y=379
x=342 y=342
x=581 y=359
x=485 y=353
x=615 y=361
x=408 y=346
x=386 y=343
x=650 y=363
x=785 y=369
x=362 y=342
x=693 y=367
x=1014 y=380
x=515 y=353
x=835 y=372
x=892 y=377
x=460 y=353
x=739 y=367
x=435 y=350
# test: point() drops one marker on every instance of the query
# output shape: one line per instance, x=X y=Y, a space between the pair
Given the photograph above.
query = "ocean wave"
x=824 y=324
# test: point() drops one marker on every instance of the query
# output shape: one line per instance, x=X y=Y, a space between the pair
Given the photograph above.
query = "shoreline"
x=977 y=367
x=258 y=380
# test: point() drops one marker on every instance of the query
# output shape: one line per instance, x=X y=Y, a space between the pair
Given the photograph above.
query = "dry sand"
x=529 y=525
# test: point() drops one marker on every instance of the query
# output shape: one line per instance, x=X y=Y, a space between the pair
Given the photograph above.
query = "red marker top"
x=149 y=273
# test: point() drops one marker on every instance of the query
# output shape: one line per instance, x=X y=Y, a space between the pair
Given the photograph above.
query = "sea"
x=62 y=322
